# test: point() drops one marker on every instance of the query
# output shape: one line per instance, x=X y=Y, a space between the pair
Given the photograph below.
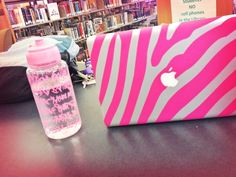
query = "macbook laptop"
x=181 y=71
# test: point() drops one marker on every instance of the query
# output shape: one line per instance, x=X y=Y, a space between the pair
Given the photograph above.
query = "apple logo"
x=168 y=79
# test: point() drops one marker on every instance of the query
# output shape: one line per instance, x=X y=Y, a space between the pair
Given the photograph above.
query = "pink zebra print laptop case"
x=181 y=71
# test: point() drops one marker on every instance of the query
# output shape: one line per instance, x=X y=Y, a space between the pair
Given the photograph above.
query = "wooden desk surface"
x=204 y=148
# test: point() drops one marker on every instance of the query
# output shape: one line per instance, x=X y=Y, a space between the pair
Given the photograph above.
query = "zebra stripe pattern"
x=128 y=67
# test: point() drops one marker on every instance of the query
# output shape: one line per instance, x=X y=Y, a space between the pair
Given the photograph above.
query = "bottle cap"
x=41 y=54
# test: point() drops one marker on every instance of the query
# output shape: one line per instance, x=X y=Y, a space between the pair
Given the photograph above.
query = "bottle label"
x=57 y=107
x=55 y=99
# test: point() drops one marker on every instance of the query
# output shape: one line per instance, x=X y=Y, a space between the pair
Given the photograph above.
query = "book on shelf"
x=13 y=19
x=57 y=26
x=76 y=33
x=125 y=17
x=71 y=7
x=69 y=32
x=84 y=5
x=100 y=4
x=53 y=11
x=89 y=28
x=16 y=17
x=130 y=17
x=21 y=16
x=38 y=16
x=64 y=9
x=44 y=14
x=26 y=15
x=80 y=27
x=47 y=30
x=41 y=13
x=77 y=7
x=110 y=22
x=119 y=19
x=106 y=3
x=112 y=3
x=81 y=6
x=99 y=25
x=118 y=2
x=92 y=4
x=32 y=14
x=41 y=2
x=114 y=21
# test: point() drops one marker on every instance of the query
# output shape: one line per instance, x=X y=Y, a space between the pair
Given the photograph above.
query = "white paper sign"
x=188 y=10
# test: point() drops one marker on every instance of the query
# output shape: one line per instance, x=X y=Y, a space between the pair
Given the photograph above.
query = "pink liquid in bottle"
x=53 y=92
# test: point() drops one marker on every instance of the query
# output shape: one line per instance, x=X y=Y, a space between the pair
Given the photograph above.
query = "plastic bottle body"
x=55 y=99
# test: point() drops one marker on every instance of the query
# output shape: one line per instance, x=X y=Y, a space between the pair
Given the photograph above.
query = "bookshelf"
x=123 y=14
x=124 y=25
x=80 y=14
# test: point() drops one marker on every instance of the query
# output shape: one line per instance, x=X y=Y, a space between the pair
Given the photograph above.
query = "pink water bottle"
x=52 y=89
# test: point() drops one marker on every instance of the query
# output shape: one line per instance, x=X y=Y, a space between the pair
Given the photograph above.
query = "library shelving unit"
x=77 y=18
